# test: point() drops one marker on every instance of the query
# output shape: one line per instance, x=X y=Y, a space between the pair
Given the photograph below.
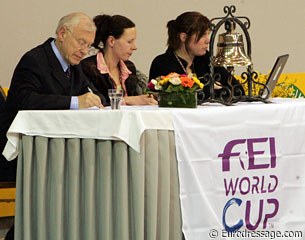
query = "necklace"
x=184 y=69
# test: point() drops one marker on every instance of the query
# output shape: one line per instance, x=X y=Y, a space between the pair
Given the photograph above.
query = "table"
x=90 y=183
x=108 y=174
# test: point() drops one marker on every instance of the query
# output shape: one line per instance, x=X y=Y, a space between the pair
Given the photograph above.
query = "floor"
x=5 y=224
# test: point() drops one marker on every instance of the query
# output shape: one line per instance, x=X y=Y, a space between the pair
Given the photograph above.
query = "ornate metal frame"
x=249 y=77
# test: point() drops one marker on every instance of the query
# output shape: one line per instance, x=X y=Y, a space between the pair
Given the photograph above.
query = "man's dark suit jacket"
x=38 y=83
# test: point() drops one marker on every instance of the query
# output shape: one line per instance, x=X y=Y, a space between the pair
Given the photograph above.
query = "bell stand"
x=250 y=77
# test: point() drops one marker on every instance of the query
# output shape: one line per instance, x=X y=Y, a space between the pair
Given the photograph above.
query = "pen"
x=90 y=90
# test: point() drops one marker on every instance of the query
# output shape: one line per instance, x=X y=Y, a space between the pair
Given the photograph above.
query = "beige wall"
x=277 y=26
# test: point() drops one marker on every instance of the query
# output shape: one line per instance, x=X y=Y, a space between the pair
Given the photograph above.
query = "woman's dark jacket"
x=103 y=82
x=167 y=63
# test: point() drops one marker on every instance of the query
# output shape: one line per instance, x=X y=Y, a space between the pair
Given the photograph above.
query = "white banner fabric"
x=242 y=171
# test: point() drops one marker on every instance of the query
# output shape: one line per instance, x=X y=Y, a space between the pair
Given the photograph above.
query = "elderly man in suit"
x=50 y=77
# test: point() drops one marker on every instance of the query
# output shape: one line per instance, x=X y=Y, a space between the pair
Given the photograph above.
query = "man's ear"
x=183 y=37
x=61 y=33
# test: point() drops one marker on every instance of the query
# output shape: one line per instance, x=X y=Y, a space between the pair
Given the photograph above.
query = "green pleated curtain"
x=88 y=189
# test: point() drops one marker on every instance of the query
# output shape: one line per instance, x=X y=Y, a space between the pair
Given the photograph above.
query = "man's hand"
x=88 y=100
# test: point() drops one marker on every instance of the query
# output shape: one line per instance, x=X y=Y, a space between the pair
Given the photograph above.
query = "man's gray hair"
x=74 y=19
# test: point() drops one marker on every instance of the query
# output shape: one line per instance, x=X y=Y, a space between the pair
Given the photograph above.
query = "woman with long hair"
x=111 y=68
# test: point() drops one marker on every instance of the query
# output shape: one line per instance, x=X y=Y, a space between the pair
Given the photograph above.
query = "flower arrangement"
x=176 y=90
x=284 y=87
x=175 y=82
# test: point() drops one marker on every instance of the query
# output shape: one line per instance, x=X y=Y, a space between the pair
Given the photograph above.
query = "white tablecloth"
x=129 y=123
x=126 y=124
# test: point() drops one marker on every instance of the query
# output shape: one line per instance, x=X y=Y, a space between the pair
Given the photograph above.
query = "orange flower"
x=187 y=82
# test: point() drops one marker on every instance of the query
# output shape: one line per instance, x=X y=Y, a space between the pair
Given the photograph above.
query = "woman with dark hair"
x=188 y=43
x=110 y=68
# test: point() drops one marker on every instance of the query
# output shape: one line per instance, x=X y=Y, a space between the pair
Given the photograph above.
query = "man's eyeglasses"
x=80 y=42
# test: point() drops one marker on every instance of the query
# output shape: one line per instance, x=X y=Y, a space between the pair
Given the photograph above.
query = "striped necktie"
x=68 y=73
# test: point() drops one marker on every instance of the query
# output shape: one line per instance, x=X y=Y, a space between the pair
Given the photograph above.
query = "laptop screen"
x=274 y=76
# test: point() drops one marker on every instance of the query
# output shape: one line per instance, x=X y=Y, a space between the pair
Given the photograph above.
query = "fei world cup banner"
x=242 y=171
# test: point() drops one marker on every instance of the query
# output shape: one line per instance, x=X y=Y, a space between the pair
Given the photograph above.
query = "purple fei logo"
x=255 y=148
x=252 y=152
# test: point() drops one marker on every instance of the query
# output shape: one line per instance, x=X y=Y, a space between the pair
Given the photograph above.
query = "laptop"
x=274 y=76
